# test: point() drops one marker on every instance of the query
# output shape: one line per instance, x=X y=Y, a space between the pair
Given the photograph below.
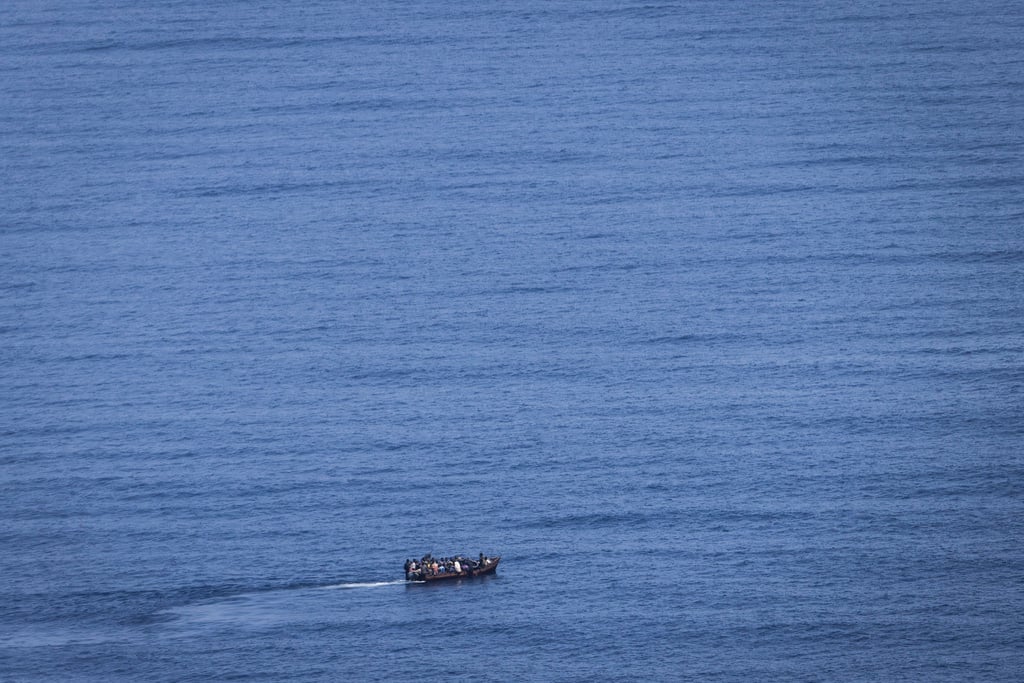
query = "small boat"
x=423 y=570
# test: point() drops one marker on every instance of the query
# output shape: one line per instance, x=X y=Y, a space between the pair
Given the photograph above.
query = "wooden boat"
x=488 y=566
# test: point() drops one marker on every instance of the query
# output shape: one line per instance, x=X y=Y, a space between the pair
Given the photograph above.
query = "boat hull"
x=488 y=568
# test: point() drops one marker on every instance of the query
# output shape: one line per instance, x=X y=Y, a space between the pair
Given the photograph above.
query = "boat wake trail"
x=371 y=584
x=268 y=609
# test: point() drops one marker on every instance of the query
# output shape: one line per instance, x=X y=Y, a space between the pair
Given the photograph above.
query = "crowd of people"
x=432 y=566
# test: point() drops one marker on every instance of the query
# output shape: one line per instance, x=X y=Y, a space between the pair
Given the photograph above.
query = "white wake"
x=371 y=584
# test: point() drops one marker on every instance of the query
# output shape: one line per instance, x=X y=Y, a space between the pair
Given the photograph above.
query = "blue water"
x=708 y=317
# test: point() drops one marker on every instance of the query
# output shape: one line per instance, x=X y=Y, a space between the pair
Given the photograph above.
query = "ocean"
x=707 y=317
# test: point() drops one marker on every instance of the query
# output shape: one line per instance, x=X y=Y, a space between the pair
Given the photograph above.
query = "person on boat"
x=457 y=566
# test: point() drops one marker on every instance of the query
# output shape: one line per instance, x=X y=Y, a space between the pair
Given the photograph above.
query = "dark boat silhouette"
x=471 y=568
